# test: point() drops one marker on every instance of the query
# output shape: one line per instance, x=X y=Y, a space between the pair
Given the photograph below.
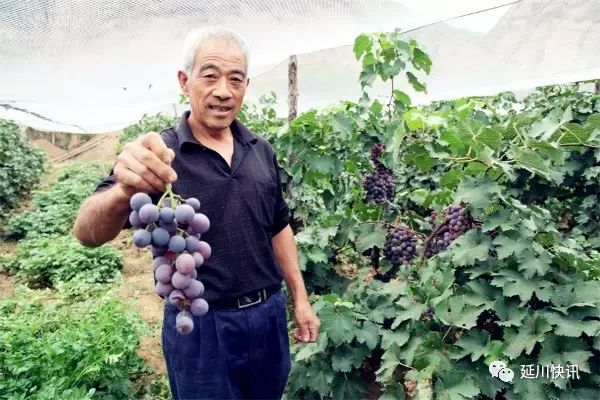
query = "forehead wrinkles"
x=225 y=63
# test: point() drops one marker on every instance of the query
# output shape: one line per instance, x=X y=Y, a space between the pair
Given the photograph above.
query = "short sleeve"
x=282 y=211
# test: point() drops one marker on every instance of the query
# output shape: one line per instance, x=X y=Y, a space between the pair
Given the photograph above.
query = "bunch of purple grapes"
x=379 y=184
x=456 y=222
x=401 y=246
x=174 y=231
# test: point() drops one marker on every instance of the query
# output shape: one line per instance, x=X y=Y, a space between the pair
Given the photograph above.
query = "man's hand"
x=144 y=165
x=307 y=323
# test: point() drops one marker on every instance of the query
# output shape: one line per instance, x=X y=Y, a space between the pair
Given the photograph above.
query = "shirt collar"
x=239 y=131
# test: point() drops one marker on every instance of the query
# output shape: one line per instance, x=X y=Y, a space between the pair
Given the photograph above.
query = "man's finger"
x=129 y=178
x=154 y=142
x=314 y=331
x=304 y=332
x=137 y=167
x=159 y=168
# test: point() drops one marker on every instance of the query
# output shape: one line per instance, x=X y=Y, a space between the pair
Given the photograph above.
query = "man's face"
x=217 y=83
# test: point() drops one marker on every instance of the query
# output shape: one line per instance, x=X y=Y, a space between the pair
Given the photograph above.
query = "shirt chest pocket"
x=259 y=197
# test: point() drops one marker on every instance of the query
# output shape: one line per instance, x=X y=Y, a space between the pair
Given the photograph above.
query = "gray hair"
x=199 y=36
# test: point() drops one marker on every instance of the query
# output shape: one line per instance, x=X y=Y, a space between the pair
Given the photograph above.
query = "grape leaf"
x=362 y=44
x=411 y=313
x=347 y=386
x=533 y=330
x=491 y=137
x=564 y=350
x=470 y=247
x=532 y=263
x=509 y=311
x=509 y=243
x=338 y=322
x=478 y=192
x=515 y=284
x=456 y=312
x=414 y=82
x=369 y=335
x=399 y=338
x=474 y=343
x=310 y=349
x=571 y=327
x=345 y=357
x=421 y=60
x=455 y=385
x=417 y=155
x=389 y=362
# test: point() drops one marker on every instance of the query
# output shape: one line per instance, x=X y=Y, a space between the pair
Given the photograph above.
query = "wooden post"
x=293 y=88
x=597 y=86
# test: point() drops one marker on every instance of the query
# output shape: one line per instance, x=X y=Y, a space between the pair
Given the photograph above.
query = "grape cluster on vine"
x=401 y=246
x=381 y=183
x=173 y=230
x=456 y=222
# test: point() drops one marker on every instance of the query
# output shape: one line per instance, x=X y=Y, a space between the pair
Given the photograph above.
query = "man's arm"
x=142 y=166
x=101 y=217
x=284 y=248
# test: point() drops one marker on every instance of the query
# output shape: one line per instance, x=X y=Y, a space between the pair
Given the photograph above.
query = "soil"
x=104 y=151
x=51 y=150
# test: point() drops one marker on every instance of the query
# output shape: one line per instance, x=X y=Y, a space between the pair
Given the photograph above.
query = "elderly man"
x=240 y=349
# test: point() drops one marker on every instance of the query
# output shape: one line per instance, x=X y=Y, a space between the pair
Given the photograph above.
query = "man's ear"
x=183 y=81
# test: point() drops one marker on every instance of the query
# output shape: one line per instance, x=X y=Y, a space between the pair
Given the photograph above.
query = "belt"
x=246 y=300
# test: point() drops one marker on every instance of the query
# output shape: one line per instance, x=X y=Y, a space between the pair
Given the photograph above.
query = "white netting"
x=96 y=66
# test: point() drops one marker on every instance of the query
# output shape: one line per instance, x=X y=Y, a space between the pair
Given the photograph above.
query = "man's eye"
x=210 y=76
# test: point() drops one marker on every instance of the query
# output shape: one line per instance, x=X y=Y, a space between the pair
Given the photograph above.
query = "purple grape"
x=166 y=215
x=149 y=213
x=180 y=281
x=196 y=289
x=194 y=202
x=199 y=307
x=193 y=274
x=200 y=223
x=204 y=249
x=138 y=200
x=164 y=273
x=184 y=213
x=171 y=227
x=166 y=202
x=160 y=237
x=192 y=244
x=158 y=251
x=176 y=298
x=163 y=289
x=135 y=221
x=177 y=244
x=185 y=263
x=198 y=259
x=158 y=261
x=141 y=238
x=184 y=323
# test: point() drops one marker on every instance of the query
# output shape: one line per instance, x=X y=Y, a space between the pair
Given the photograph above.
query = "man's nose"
x=222 y=91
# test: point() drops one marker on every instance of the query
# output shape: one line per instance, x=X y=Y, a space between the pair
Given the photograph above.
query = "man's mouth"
x=220 y=108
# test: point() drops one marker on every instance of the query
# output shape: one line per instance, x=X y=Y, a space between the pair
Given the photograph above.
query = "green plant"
x=67 y=351
x=60 y=261
x=519 y=286
x=155 y=123
x=20 y=166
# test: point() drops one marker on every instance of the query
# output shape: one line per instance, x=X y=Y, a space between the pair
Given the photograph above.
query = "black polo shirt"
x=244 y=204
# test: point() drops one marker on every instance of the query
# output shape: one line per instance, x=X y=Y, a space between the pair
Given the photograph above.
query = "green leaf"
x=311 y=349
x=564 y=350
x=530 y=160
x=414 y=82
x=347 y=386
x=414 y=119
x=338 y=322
x=453 y=140
x=508 y=243
x=389 y=362
x=455 y=385
x=490 y=137
x=451 y=178
x=509 y=311
x=479 y=192
x=417 y=155
x=398 y=338
x=370 y=235
x=515 y=284
x=474 y=343
x=456 y=312
x=569 y=326
x=412 y=313
x=533 y=330
x=325 y=164
x=346 y=357
x=369 y=335
x=421 y=60
x=470 y=247
x=401 y=97
x=531 y=263
x=362 y=44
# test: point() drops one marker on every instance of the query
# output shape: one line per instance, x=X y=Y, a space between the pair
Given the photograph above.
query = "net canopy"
x=91 y=66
